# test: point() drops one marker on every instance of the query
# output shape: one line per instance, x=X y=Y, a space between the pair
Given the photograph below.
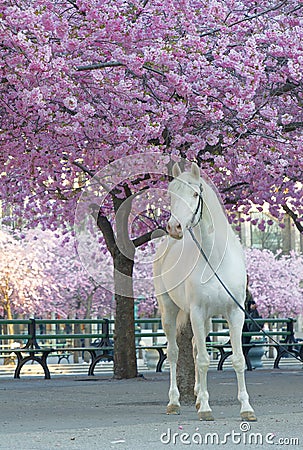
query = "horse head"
x=186 y=200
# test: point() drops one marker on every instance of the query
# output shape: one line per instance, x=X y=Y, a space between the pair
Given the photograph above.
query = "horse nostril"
x=174 y=229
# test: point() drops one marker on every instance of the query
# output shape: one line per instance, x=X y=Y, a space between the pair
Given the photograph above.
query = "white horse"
x=185 y=284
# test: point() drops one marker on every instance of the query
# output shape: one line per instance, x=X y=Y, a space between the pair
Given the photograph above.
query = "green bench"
x=287 y=343
x=37 y=347
x=34 y=345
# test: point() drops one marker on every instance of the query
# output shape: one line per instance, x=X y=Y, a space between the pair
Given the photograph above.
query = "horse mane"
x=215 y=190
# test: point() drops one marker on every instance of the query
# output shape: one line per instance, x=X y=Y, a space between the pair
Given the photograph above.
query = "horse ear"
x=176 y=170
x=195 y=171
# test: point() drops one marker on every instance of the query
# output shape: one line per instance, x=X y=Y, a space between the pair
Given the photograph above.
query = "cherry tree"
x=40 y=275
x=275 y=281
x=78 y=294
x=86 y=83
x=24 y=284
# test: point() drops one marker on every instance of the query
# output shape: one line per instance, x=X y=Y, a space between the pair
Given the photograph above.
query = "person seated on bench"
x=251 y=308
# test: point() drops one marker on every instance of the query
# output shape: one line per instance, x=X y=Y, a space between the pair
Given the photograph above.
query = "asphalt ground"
x=99 y=413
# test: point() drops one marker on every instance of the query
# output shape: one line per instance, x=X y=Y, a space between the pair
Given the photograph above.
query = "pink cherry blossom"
x=275 y=281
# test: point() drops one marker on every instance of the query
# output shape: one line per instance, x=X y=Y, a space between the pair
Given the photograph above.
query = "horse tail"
x=182 y=319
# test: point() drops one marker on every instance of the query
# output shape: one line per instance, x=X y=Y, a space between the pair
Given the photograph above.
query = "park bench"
x=284 y=335
x=280 y=329
x=37 y=347
x=34 y=346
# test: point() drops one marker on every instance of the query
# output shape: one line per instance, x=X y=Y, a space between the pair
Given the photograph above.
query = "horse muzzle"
x=174 y=230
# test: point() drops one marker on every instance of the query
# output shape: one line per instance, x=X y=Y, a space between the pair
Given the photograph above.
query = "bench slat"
x=63 y=346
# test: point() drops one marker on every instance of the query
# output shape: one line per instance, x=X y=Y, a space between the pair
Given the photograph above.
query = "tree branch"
x=234 y=186
x=84 y=169
x=104 y=65
x=292 y=126
x=255 y=16
x=107 y=230
x=101 y=65
x=89 y=172
x=283 y=89
x=149 y=236
x=294 y=217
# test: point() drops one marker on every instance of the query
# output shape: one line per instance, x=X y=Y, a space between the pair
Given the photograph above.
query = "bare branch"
x=294 y=217
x=245 y=19
x=83 y=168
x=91 y=173
x=107 y=230
x=292 y=126
x=234 y=187
x=101 y=65
x=105 y=65
x=147 y=237
x=283 y=89
x=139 y=14
x=274 y=8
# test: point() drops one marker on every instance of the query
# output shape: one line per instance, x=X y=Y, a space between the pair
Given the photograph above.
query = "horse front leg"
x=169 y=312
x=202 y=361
x=208 y=326
x=238 y=361
x=173 y=406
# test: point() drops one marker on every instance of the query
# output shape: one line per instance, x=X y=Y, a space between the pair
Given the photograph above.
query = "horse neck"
x=213 y=231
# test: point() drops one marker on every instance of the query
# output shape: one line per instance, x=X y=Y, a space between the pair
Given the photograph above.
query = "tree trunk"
x=125 y=362
x=286 y=243
x=87 y=328
x=122 y=250
x=185 y=365
x=8 y=313
x=9 y=329
x=77 y=330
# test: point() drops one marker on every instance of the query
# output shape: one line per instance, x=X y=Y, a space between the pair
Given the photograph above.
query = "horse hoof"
x=173 y=409
x=206 y=416
x=248 y=416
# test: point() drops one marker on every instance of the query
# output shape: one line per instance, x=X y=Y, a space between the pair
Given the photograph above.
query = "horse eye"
x=196 y=194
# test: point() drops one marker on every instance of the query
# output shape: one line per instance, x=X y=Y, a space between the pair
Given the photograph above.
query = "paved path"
x=98 y=413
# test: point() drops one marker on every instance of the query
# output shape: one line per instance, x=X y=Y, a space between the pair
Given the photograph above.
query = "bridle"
x=199 y=207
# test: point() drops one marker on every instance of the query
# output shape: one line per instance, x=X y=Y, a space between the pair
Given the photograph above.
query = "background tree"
x=24 y=284
x=275 y=281
x=40 y=275
x=78 y=294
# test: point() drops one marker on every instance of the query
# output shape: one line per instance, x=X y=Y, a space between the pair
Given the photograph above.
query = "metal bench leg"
x=222 y=357
x=281 y=352
x=96 y=359
x=248 y=362
x=247 y=359
x=162 y=358
x=41 y=361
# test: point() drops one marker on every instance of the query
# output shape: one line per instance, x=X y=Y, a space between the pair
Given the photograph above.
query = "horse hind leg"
x=238 y=361
x=197 y=380
x=169 y=313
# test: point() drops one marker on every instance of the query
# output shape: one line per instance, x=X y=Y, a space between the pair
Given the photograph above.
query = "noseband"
x=194 y=222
